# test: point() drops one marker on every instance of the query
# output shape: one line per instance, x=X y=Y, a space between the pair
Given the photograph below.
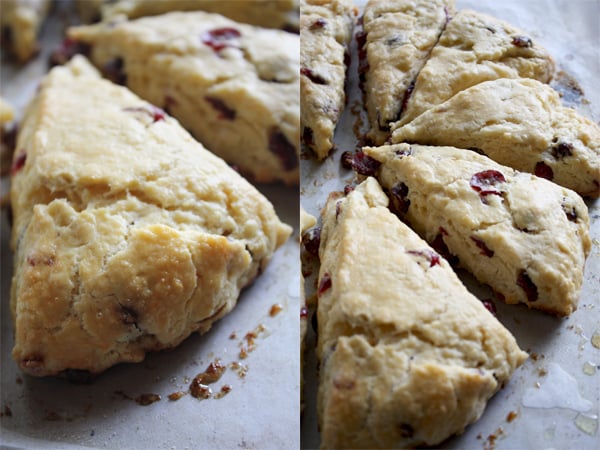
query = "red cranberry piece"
x=318 y=24
x=311 y=240
x=324 y=284
x=440 y=246
x=543 y=170
x=399 y=198
x=349 y=188
x=303 y=312
x=485 y=182
x=307 y=136
x=283 y=149
x=570 y=212
x=431 y=256
x=156 y=113
x=525 y=283
x=312 y=76
x=364 y=165
x=18 y=163
x=115 y=72
x=224 y=111
x=561 y=149
x=220 y=38
x=522 y=42
x=485 y=250
x=346 y=159
x=490 y=306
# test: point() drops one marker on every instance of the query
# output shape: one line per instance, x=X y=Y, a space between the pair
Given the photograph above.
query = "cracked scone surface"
x=21 y=21
x=408 y=356
x=524 y=236
x=519 y=123
x=395 y=42
x=325 y=31
x=235 y=87
x=473 y=48
x=128 y=234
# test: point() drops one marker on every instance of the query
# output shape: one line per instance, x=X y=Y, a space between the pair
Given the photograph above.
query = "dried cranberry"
x=485 y=250
x=485 y=182
x=319 y=23
x=311 y=239
x=324 y=284
x=307 y=136
x=440 y=246
x=115 y=72
x=431 y=256
x=349 y=188
x=522 y=42
x=399 y=198
x=303 y=312
x=570 y=212
x=525 y=283
x=156 y=113
x=18 y=163
x=490 y=306
x=224 y=111
x=561 y=149
x=312 y=76
x=283 y=149
x=364 y=165
x=402 y=153
x=543 y=170
x=346 y=159
x=220 y=38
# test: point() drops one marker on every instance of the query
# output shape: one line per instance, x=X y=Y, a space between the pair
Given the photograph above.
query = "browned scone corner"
x=408 y=356
x=128 y=234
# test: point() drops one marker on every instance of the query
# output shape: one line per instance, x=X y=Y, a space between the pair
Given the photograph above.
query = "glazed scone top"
x=473 y=48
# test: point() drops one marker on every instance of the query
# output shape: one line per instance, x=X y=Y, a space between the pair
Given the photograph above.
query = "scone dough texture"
x=519 y=123
x=128 y=234
x=20 y=21
x=395 y=42
x=235 y=87
x=408 y=356
x=325 y=32
x=473 y=48
x=524 y=236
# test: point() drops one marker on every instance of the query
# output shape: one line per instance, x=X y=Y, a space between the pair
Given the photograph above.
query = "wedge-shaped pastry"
x=408 y=356
x=473 y=48
x=234 y=86
x=128 y=234
x=396 y=41
x=325 y=32
x=21 y=21
x=518 y=123
x=282 y=14
x=524 y=236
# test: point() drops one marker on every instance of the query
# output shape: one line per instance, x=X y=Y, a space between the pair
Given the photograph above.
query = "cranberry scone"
x=128 y=234
x=473 y=48
x=394 y=44
x=21 y=21
x=326 y=28
x=524 y=236
x=519 y=123
x=235 y=87
x=408 y=356
x=283 y=14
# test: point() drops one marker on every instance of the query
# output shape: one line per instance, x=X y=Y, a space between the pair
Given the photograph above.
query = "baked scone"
x=234 y=86
x=473 y=48
x=408 y=356
x=396 y=40
x=326 y=28
x=128 y=234
x=518 y=123
x=21 y=21
x=524 y=236
x=283 y=14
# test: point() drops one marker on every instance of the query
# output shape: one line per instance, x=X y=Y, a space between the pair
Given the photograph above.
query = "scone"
x=21 y=21
x=473 y=48
x=518 y=123
x=283 y=14
x=524 y=236
x=395 y=42
x=234 y=86
x=128 y=234
x=408 y=356
x=325 y=32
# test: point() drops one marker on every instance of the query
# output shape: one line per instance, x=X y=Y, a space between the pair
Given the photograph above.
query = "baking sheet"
x=260 y=412
x=553 y=400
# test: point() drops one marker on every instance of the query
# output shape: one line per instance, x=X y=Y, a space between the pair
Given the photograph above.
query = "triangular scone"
x=283 y=14
x=325 y=33
x=397 y=37
x=518 y=123
x=524 y=236
x=128 y=234
x=408 y=356
x=235 y=87
x=474 y=48
x=21 y=21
